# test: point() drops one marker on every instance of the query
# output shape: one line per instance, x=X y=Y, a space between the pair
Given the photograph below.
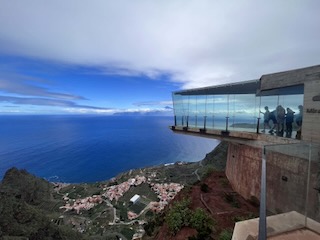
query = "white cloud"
x=47 y=102
x=198 y=43
x=143 y=111
x=24 y=85
x=153 y=103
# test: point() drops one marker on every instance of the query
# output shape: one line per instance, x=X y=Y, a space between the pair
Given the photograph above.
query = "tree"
x=202 y=222
x=178 y=216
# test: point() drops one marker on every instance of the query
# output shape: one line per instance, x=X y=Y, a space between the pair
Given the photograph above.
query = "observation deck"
x=272 y=126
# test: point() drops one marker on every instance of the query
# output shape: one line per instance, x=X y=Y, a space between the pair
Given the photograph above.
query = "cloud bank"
x=24 y=85
x=197 y=43
x=47 y=102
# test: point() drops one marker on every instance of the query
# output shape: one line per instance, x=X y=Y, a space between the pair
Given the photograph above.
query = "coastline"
x=81 y=205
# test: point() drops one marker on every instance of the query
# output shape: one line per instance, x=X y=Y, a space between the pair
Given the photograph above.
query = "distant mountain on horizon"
x=150 y=113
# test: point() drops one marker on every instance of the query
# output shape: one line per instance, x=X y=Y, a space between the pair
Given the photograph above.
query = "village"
x=121 y=207
x=165 y=193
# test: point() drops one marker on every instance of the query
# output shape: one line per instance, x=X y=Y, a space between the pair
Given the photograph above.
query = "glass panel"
x=177 y=106
x=202 y=111
x=293 y=184
x=221 y=108
x=192 y=117
x=243 y=112
x=313 y=191
x=281 y=115
x=185 y=110
x=210 y=112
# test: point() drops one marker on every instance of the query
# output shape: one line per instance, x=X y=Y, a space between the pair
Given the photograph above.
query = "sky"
x=105 y=57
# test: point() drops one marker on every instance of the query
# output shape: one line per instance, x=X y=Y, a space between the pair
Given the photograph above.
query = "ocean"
x=86 y=148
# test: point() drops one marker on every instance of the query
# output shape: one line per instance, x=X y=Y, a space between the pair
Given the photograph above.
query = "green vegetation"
x=81 y=190
x=217 y=158
x=30 y=207
x=232 y=199
x=180 y=216
x=243 y=218
x=204 y=187
x=127 y=232
x=254 y=201
x=23 y=201
x=226 y=234
x=154 y=223
x=202 y=222
x=207 y=171
x=137 y=207
x=145 y=192
x=122 y=210
x=224 y=182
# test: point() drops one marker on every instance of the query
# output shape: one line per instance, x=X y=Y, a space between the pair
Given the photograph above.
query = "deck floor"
x=301 y=234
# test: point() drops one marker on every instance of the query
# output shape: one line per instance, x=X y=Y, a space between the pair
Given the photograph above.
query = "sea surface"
x=93 y=148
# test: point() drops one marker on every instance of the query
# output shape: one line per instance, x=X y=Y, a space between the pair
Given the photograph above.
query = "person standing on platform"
x=281 y=114
x=272 y=117
x=266 y=118
x=289 y=121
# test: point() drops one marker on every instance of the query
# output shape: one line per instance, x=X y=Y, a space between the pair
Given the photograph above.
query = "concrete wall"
x=286 y=179
x=311 y=112
x=289 y=78
x=243 y=169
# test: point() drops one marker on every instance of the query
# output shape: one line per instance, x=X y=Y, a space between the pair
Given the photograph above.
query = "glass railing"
x=240 y=112
x=292 y=187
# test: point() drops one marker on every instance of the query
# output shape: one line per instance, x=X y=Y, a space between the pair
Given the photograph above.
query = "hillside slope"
x=23 y=208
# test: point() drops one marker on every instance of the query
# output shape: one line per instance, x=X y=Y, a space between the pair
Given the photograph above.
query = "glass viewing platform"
x=241 y=107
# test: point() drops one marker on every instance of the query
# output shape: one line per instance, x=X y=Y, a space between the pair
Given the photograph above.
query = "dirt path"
x=196 y=171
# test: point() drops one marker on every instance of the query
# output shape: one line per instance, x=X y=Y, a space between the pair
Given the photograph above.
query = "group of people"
x=282 y=121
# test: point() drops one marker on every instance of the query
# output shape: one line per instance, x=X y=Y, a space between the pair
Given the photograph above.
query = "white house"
x=135 y=198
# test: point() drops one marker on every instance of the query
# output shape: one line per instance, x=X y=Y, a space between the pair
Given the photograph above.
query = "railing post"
x=205 y=123
x=227 y=123
x=258 y=125
x=263 y=193
x=175 y=120
x=187 y=121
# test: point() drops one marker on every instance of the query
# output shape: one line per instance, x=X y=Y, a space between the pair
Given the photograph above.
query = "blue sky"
x=101 y=56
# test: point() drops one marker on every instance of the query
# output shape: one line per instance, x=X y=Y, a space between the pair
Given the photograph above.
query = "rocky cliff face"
x=23 y=186
x=217 y=157
x=33 y=208
x=23 y=201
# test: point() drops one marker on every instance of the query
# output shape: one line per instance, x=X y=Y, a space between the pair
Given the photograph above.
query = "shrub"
x=226 y=234
x=204 y=187
x=202 y=222
x=224 y=182
x=243 y=218
x=255 y=201
x=178 y=216
x=231 y=198
x=209 y=169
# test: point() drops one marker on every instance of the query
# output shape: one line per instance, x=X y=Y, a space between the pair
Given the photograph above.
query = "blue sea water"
x=93 y=148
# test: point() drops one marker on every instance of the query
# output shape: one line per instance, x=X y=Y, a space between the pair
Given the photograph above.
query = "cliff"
x=33 y=208
x=24 y=211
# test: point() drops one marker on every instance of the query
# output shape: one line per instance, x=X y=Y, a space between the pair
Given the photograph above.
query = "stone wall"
x=244 y=169
x=311 y=112
x=286 y=179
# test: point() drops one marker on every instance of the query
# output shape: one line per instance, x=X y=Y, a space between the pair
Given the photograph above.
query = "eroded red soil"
x=220 y=201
